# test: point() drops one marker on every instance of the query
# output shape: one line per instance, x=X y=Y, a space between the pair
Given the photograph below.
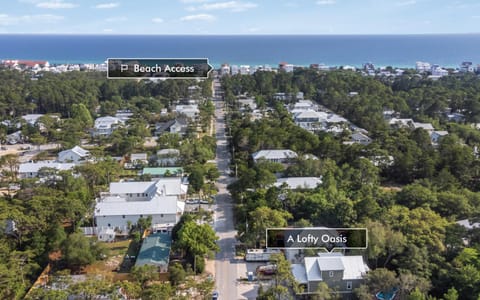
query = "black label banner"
x=178 y=68
x=317 y=238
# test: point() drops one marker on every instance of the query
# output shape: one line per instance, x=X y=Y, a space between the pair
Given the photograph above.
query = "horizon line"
x=238 y=34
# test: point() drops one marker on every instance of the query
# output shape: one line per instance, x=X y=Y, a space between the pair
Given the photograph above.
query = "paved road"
x=225 y=267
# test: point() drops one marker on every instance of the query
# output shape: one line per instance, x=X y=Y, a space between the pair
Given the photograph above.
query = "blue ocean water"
x=333 y=50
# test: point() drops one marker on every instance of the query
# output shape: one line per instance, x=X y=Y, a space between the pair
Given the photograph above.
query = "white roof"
x=118 y=206
x=171 y=186
x=440 y=132
x=310 y=114
x=36 y=166
x=298 y=271
x=426 y=126
x=353 y=266
x=138 y=156
x=358 y=136
x=106 y=122
x=168 y=152
x=274 y=154
x=312 y=271
x=334 y=118
x=77 y=150
x=299 y=182
x=80 y=151
x=330 y=263
x=184 y=108
x=467 y=224
x=32 y=118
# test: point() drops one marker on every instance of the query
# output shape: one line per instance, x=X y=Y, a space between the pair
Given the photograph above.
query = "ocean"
x=332 y=50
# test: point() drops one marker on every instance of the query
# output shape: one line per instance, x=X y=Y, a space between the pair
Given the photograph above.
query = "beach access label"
x=317 y=238
x=175 y=68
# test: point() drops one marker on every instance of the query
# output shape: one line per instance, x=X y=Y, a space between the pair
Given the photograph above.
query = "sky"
x=239 y=17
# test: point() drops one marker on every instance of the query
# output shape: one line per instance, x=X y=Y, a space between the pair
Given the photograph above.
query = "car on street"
x=215 y=295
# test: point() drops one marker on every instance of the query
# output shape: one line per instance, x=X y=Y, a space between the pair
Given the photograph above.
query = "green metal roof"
x=163 y=170
x=155 y=250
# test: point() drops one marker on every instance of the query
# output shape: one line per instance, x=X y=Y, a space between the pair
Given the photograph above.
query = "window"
x=349 y=285
x=108 y=224
x=331 y=273
x=123 y=216
x=161 y=215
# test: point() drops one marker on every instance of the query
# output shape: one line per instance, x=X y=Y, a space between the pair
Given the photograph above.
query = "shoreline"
x=217 y=65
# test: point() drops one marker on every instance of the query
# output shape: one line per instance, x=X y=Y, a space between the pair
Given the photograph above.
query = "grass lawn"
x=116 y=261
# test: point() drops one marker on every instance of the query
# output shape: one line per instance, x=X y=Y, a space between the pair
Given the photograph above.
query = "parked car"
x=215 y=295
x=193 y=201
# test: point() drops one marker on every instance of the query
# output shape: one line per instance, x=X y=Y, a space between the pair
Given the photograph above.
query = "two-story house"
x=343 y=274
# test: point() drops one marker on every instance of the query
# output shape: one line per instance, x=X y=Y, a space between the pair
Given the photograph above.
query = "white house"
x=31 y=169
x=32 y=118
x=334 y=118
x=225 y=69
x=310 y=119
x=75 y=155
x=286 y=67
x=339 y=272
x=421 y=66
x=279 y=156
x=299 y=182
x=104 y=126
x=128 y=201
x=438 y=71
x=302 y=105
x=191 y=110
x=425 y=126
x=244 y=69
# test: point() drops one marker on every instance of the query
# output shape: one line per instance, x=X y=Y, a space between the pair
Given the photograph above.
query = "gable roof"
x=310 y=114
x=168 y=152
x=426 y=126
x=358 y=136
x=274 y=154
x=118 y=206
x=106 y=122
x=77 y=150
x=80 y=151
x=169 y=186
x=353 y=267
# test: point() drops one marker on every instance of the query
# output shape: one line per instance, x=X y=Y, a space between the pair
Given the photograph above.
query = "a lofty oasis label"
x=177 y=68
x=317 y=238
